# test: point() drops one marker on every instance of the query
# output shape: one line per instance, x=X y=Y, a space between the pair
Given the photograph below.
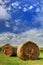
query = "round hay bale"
x=28 y=51
x=8 y=50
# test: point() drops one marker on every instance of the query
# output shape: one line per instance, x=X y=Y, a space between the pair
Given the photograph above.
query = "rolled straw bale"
x=28 y=51
x=8 y=50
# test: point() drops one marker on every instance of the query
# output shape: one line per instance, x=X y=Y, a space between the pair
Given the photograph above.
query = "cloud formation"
x=34 y=35
x=3 y=13
x=15 y=4
x=7 y=24
x=38 y=18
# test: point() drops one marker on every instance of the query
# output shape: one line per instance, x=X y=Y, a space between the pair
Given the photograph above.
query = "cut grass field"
x=17 y=61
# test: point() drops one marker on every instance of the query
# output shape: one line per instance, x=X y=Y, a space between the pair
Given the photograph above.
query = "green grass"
x=17 y=61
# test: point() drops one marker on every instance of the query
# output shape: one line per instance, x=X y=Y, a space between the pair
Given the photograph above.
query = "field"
x=17 y=61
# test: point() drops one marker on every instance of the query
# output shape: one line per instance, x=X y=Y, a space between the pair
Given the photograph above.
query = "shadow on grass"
x=40 y=59
x=14 y=56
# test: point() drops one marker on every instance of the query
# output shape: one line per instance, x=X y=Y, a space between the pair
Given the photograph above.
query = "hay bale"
x=28 y=51
x=8 y=50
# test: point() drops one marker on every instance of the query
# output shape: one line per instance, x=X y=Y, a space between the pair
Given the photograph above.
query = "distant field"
x=41 y=49
x=17 y=61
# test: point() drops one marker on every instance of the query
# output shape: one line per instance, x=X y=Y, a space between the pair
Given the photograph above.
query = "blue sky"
x=21 y=21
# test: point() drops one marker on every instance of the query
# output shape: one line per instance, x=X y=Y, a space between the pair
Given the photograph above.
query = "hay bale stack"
x=8 y=50
x=28 y=51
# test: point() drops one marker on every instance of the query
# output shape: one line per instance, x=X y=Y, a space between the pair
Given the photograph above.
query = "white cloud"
x=18 y=21
x=20 y=7
x=15 y=4
x=7 y=24
x=7 y=38
x=25 y=9
x=15 y=28
x=30 y=7
x=8 y=8
x=36 y=4
x=34 y=35
x=42 y=8
x=38 y=19
x=37 y=9
x=6 y=1
x=3 y=13
x=1 y=2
